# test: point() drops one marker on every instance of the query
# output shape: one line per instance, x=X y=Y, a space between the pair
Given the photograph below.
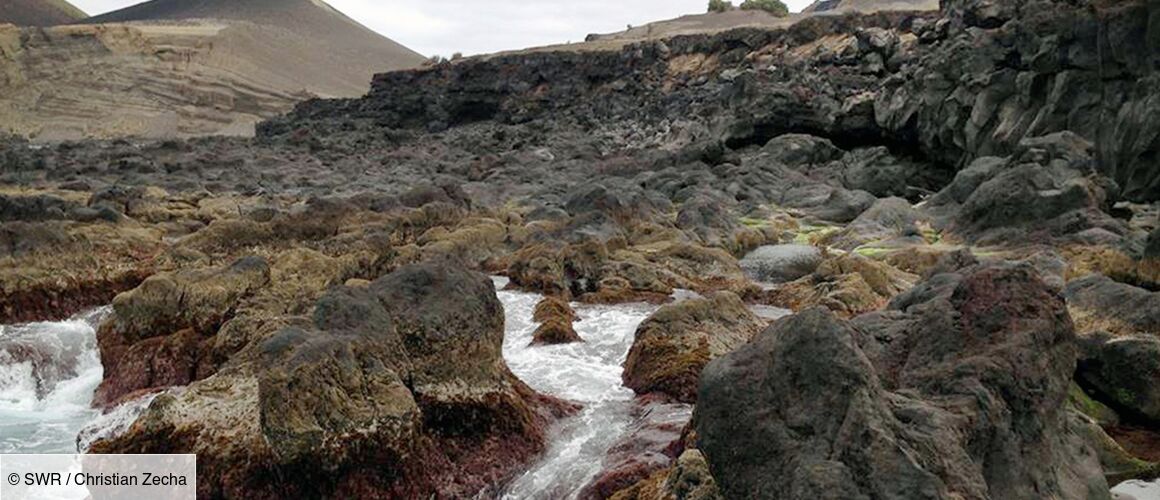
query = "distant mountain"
x=331 y=53
x=39 y=12
x=185 y=68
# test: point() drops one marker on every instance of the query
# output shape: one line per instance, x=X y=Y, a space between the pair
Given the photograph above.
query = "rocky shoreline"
x=958 y=205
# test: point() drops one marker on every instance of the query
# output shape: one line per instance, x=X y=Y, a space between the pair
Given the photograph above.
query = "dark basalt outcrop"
x=1099 y=304
x=958 y=395
x=1124 y=371
x=1048 y=188
x=396 y=389
x=1004 y=71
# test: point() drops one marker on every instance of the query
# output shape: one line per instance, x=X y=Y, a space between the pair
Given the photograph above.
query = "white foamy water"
x=1137 y=490
x=48 y=372
x=587 y=373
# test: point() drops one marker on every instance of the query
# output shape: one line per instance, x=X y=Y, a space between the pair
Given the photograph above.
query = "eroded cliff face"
x=184 y=76
x=119 y=80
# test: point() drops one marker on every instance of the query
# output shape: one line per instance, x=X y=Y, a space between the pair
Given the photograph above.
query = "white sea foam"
x=587 y=373
x=48 y=372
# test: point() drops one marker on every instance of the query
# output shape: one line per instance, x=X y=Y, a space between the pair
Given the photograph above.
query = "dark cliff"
x=969 y=84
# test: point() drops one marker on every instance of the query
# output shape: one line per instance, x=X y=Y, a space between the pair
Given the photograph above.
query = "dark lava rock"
x=673 y=345
x=155 y=337
x=1098 y=303
x=960 y=397
x=396 y=389
x=802 y=150
x=888 y=220
x=1125 y=372
x=781 y=263
x=1047 y=188
x=556 y=317
x=34 y=208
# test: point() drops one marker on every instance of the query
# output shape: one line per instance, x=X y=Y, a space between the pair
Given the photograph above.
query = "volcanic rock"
x=673 y=345
x=781 y=263
x=396 y=389
x=556 y=317
x=955 y=373
x=1124 y=371
x=847 y=284
x=1099 y=304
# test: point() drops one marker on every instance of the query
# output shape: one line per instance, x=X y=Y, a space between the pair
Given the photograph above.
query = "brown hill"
x=185 y=68
x=39 y=12
x=715 y=22
x=870 y=5
x=340 y=54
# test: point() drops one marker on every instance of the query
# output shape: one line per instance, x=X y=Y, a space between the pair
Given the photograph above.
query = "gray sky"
x=482 y=26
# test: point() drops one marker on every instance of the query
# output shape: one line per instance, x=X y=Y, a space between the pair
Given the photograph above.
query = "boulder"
x=154 y=337
x=673 y=345
x=848 y=284
x=841 y=205
x=452 y=324
x=555 y=317
x=1047 y=189
x=801 y=150
x=559 y=269
x=781 y=263
x=961 y=395
x=1099 y=304
x=688 y=479
x=1124 y=372
x=890 y=221
x=398 y=389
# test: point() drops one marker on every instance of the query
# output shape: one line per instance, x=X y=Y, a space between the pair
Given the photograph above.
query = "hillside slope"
x=39 y=12
x=173 y=69
x=718 y=22
x=340 y=53
x=870 y=5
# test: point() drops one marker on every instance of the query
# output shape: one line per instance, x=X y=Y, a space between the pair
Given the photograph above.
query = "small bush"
x=774 y=7
x=720 y=5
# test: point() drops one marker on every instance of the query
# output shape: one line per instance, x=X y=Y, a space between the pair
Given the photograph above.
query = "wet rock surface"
x=385 y=390
x=673 y=345
x=556 y=318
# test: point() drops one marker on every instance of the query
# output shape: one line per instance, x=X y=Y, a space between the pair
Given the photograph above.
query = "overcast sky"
x=482 y=26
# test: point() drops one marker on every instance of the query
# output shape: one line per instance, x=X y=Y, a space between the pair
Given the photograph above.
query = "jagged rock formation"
x=939 y=399
x=172 y=69
x=396 y=389
x=39 y=12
